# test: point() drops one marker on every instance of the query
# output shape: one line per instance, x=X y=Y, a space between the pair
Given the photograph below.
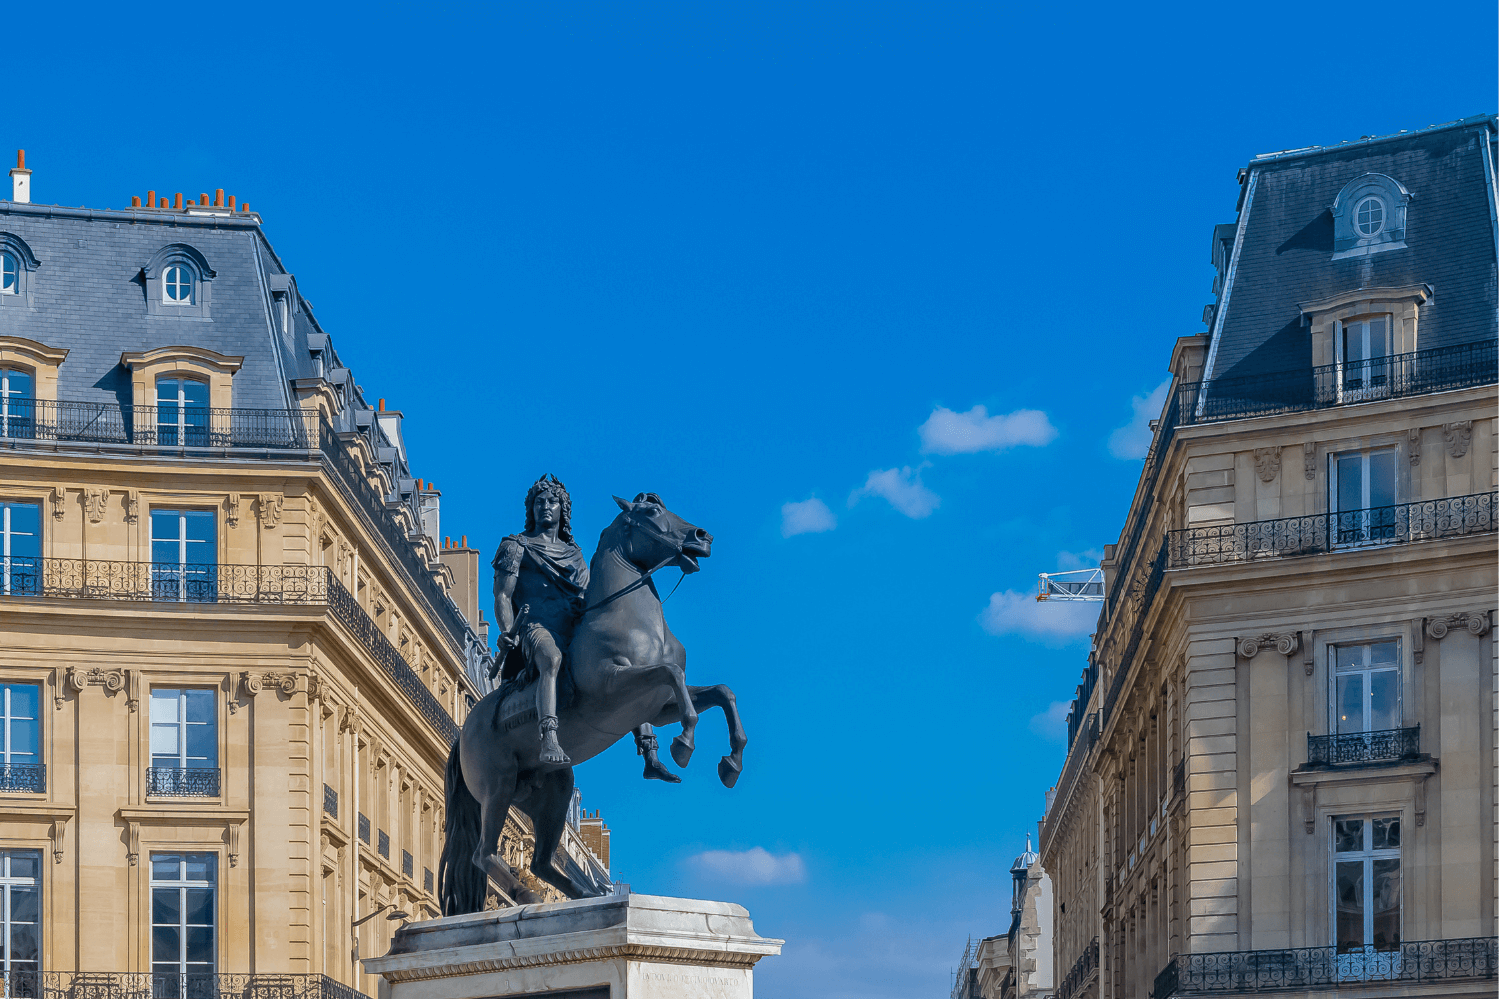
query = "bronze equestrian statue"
x=622 y=671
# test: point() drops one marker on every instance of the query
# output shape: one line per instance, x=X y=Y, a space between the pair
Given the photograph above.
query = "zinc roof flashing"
x=1370 y=140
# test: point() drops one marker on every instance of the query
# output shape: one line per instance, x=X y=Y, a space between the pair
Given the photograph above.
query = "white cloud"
x=1051 y=724
x=807 y=517
x=756 y=866
x=946 y=432
x=1133 y=439
x=1049 y=620
x=1069 y=561
x=903 y=488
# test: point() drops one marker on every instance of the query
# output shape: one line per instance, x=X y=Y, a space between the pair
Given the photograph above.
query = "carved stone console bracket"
x=1267 y=463
x=1308 y=781
x=270 y=509
x=1457 y=437
x=1413 y=436
x=1286 y=644
x=1309 y=460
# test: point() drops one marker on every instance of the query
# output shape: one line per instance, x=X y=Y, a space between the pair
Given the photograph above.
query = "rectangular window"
x=20 y=752
x=21 y=548
x=17 y=404
x=1366 y=890
x=184 y=743
x=21 y=912
x=183 y=923
x=1363 y=497
x=1366 y=687
x=1364 y=357
x=184 y=555
x=181 y=412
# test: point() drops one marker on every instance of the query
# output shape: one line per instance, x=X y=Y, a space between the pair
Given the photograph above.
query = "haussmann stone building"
x=235 y=649
x=1281 y=774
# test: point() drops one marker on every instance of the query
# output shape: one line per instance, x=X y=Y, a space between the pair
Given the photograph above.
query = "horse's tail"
x=463 y=885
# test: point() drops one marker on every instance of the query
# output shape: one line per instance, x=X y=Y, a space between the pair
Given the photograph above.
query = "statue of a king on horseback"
x=585 y=658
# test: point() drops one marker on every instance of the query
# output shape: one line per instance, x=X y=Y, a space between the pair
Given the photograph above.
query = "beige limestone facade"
x=233 y=655
x=1282 y=767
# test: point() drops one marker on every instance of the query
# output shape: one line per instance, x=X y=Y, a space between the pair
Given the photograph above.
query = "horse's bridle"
x=650 y=530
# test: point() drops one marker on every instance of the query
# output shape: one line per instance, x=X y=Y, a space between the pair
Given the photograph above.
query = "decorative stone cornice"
x=1286 y=644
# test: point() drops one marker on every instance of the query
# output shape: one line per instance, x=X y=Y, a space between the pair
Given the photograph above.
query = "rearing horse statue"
x=625 y=668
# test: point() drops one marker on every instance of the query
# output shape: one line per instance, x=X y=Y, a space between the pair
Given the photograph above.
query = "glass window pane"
x=1353 y=342
x=164 y=701
x=1385 y=901
x=1350 y=472
x=200 y=867
x=202 y=746
x=25 y=529
x=200 y=944
x=1382 y=478
x=165 y=525
x=200 y=906
x=166 y=906
x=166 y=866
x=1350 y=656
x=1384 y=699
x=200 y=706
x=25 y=904
x=18 y=383
x=24 y=864
x=1350 y=704
x=25 y=942
x=1384 y=652
x=166 y=943
x=23 y=698
x=194 y=393
x=1379 y=337
x=1387 y=833
x=1348 y=886
x=1348 y=835
x=23 y=738
x=164 y=744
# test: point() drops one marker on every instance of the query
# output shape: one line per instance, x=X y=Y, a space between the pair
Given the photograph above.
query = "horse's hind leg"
x=548 y=810
x=493 y=811
x=720 y=696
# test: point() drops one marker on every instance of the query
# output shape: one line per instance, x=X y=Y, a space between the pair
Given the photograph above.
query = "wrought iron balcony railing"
x=166 y=985
x=1303 y=967
x=38 y=420
x=1083 y=971
x=330 y=801
x=1363 y=747
x=30 y=778
x=167 y=582
x=1397 y=376
x=1405 y=523
x=183 y=782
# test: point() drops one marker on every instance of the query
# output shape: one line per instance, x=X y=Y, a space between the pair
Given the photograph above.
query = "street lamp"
x=397 y=914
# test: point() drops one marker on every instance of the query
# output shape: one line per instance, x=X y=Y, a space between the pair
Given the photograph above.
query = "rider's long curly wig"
x=551 y=484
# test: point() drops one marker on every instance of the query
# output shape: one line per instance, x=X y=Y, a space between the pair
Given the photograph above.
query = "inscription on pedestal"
x=677 y=981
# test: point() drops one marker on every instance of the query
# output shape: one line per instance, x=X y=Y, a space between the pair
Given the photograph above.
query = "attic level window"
x=8 y=274
x=179 y=284
x=1369 y=216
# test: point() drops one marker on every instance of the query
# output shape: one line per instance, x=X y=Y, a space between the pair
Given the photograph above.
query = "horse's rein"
x=645 y=577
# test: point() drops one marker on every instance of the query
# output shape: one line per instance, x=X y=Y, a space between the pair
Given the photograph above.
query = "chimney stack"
x=20 y=180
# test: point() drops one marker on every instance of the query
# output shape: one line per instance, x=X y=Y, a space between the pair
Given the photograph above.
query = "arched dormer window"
x=178 y=280
x=17 y=263
x=1369 y=216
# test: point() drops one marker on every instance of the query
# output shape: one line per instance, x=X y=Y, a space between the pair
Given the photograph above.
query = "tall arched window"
x=17 y=403
x=181 y=412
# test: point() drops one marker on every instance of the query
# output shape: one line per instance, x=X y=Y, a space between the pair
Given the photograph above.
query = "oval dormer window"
x=1369 y=216
x=179 y=284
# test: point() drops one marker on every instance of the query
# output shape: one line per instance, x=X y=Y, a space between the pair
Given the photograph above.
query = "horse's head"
x=652 y=534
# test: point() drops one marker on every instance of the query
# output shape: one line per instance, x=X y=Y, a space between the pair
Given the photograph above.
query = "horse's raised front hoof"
x=655 y=771
x=728 y=771
x=681 y=750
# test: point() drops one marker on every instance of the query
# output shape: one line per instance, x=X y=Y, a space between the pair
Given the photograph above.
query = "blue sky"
x=748 y=256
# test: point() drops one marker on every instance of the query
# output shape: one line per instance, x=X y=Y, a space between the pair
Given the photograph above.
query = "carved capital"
x=1267 y=463
x=1309 y=460
x=94 y=500
x=1457 y=437
x=59 y=501
x=270 y=509
x=1477 y=623
x=254 y=683
x=112 y=680
x=231 y=510
x=1286 y=644
x=132 y=506
x=1413 y=436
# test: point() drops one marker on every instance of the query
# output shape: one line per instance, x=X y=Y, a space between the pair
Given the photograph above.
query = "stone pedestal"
x=615 y=947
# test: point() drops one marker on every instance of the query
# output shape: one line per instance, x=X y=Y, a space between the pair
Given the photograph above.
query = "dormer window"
x=9 y=274
x=179 y=284
x=17 y=264
x=1369 y=216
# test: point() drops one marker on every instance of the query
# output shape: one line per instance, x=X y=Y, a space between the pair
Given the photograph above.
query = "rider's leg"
x=548 y=664
x=645 y=745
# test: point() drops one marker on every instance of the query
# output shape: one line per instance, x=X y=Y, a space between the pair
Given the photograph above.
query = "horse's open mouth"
x=690 y=554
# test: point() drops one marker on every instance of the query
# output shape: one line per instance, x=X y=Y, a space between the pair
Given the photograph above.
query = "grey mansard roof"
x=1284 y=244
